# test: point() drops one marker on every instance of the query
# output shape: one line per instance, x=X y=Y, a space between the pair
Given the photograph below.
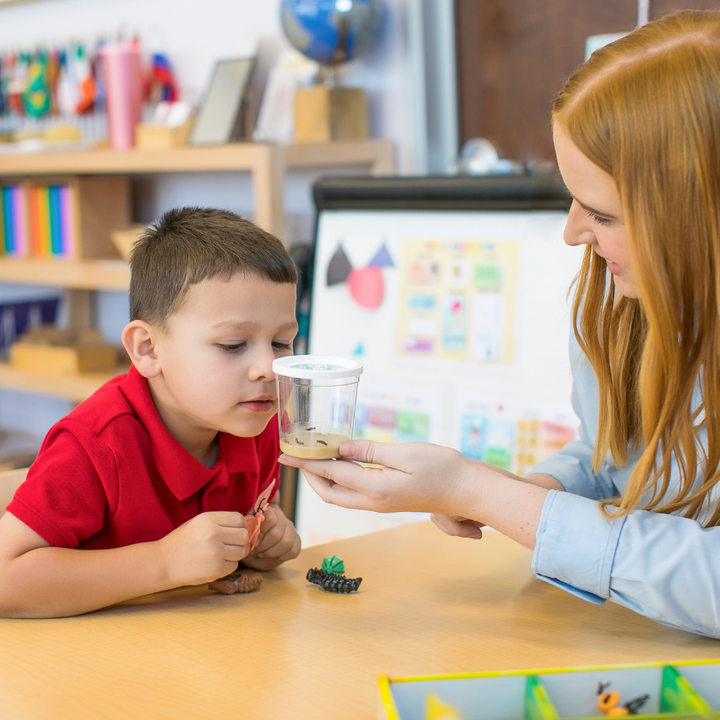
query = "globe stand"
x=325 y=112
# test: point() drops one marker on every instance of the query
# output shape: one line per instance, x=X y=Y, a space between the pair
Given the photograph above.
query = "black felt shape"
x=339 y=268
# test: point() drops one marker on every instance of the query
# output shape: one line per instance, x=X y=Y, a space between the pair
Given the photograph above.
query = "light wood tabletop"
x=428 y=604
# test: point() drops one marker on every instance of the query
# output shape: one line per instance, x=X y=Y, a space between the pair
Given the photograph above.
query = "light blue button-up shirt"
x=665 y=567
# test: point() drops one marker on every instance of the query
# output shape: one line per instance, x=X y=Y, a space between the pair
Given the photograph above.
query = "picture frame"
x=221 y=112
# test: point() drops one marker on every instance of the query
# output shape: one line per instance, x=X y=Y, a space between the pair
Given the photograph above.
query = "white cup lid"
x=316 y=367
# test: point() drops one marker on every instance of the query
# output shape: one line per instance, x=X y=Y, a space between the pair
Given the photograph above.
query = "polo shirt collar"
x=182 y=473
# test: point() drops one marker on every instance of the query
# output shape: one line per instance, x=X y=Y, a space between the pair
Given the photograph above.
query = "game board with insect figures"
x=679 y=690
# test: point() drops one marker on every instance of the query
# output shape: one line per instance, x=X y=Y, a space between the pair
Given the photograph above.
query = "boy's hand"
x=205 y=548
x=278 y=542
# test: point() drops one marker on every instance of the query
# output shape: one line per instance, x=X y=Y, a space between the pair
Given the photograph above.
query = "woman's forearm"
x=507 y=503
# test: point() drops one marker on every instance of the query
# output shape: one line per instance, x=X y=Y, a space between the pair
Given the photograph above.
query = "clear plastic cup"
x=316 y=404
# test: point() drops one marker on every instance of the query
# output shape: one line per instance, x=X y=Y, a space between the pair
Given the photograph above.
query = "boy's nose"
x=261 y=367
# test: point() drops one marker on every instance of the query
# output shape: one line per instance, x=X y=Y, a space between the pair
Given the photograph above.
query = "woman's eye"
x=599 y=219
x=231 y=348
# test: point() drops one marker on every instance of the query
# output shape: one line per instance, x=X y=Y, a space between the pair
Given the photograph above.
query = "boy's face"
x=216 y=357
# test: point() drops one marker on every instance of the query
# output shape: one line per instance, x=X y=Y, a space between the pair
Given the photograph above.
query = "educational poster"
x=512 y=434
x=458 y=300
x=397 y=413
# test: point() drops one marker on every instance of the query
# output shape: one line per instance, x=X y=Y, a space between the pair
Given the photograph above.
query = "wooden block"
x=125 y=239
x=325 y=114
x=62 y=361
x=153 y=137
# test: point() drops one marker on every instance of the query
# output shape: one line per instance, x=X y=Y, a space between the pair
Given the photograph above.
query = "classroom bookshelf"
x=95 y=186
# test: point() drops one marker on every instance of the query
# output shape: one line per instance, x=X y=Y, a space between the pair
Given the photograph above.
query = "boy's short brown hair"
x=189 y=245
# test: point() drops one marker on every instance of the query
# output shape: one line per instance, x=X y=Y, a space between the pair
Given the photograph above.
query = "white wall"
x=194 y=34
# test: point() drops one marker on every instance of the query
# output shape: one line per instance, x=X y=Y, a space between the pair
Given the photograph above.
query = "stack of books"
x=39 y=220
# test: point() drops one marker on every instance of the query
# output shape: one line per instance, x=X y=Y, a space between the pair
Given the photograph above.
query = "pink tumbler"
x=123 y=88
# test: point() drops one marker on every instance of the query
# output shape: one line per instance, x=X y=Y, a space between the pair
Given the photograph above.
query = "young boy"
x=144 y=486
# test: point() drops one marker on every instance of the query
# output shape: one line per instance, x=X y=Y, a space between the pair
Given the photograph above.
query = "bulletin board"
x=461 y=317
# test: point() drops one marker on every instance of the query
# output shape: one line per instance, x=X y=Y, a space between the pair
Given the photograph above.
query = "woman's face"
x=596 y=217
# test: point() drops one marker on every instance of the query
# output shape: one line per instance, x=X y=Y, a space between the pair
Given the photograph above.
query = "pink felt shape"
x=367 y=287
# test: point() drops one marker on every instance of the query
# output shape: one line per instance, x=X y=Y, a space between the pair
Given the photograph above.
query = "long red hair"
x=646 y=110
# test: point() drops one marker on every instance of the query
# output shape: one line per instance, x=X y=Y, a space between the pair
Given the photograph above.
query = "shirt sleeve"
x=661 y=566
x=63 y=499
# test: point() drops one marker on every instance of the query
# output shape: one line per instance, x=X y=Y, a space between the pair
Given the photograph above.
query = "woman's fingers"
x=457 y=526
x=334 y=494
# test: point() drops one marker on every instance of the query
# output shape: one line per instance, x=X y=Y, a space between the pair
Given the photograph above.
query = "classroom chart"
x=458 y=300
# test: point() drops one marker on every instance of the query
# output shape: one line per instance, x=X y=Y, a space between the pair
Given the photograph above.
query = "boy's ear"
x=139 y=340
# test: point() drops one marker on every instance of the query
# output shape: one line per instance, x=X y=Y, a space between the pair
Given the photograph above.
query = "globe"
x=331 y=31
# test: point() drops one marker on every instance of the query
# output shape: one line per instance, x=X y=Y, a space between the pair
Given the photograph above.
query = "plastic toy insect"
x=237 y=583
x=255 y=519
x=609 y=702
x=332 y=583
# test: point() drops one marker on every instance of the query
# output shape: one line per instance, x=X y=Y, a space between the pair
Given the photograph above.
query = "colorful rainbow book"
x=67 y=215
x=36 y=248
x=43 y=205
x=6 y=225
x=20 y=221
x=55 y=220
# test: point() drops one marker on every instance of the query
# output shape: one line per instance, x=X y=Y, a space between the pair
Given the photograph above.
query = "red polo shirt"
x=110 y=474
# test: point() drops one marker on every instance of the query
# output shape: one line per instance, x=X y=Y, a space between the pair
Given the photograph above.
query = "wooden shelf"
x=236 y=156
x=75 y=274
x=378 y=154
x=76 y=388
x=267 y=164
x=231 y=157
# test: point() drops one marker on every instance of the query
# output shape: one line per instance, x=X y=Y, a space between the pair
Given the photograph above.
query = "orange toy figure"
x=609 y=702
x=255 y=520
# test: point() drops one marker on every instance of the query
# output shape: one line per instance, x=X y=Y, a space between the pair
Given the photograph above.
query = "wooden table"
x=428 y=604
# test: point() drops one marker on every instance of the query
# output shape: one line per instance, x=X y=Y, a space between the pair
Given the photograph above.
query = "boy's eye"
x=282 y=346
x=231 y=348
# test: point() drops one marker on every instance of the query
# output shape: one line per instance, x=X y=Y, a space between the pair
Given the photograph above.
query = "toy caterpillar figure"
x=333 y=583
x=609 y=702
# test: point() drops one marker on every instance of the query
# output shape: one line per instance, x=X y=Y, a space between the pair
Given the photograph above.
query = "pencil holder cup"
x=316 y=404
x=121 y=72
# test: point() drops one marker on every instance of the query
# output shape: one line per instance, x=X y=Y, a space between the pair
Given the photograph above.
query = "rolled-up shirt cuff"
x=572 y=468
x=575 y=546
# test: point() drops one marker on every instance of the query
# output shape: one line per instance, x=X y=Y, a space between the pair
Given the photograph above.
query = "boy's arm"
x=37 y=580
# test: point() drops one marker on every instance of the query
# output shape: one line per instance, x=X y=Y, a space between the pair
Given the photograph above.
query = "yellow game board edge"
x=545 y=671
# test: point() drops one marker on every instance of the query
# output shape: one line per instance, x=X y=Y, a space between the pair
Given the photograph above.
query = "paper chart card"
x=512 y=434
x=458 y=300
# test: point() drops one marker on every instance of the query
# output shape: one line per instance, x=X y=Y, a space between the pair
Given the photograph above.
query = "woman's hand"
x=414 y=477
x=462 y=494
